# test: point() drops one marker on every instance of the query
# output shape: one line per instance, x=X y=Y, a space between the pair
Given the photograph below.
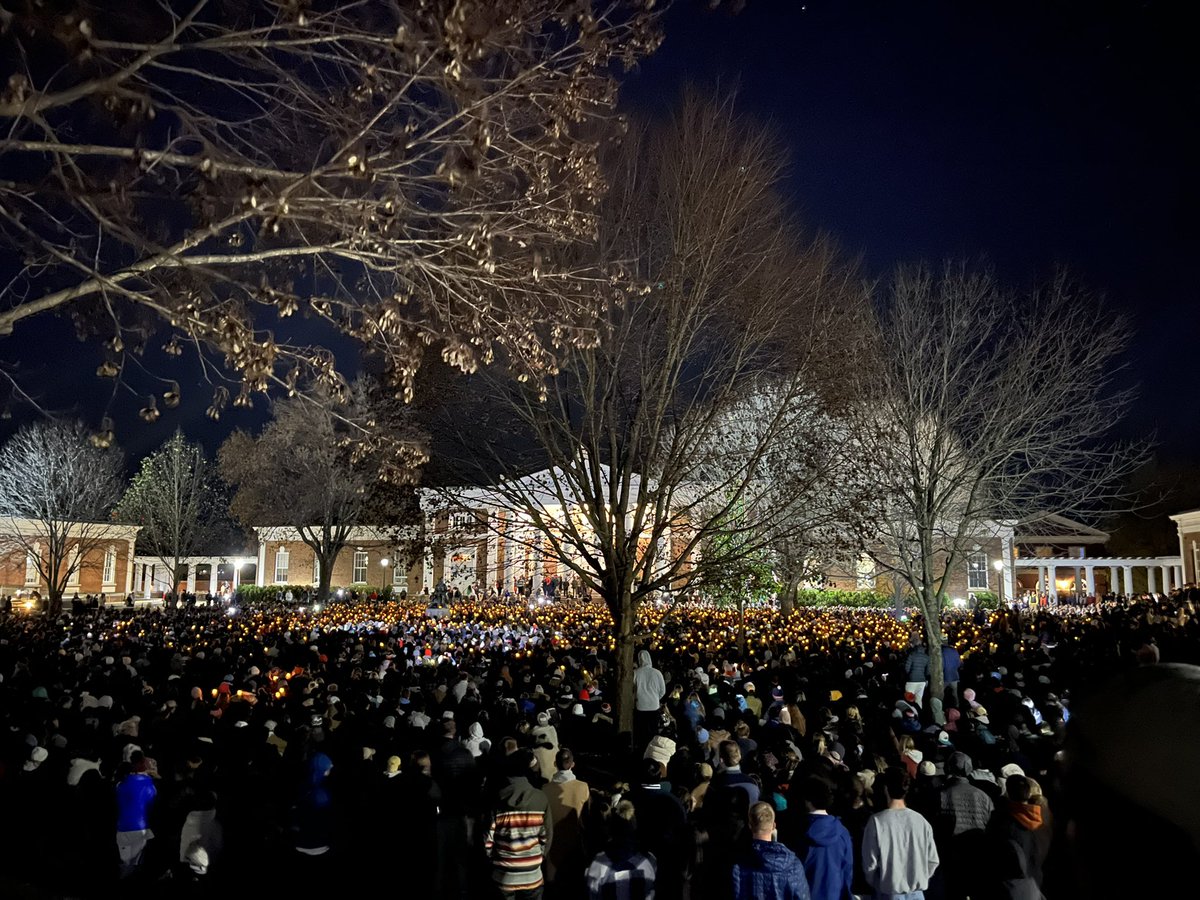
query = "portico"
x=1163 y=573
x=152 y=577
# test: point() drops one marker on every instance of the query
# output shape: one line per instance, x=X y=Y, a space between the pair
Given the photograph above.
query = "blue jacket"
x=134 y=796
x=828 y=855
x=950 y=663
x=769 y=871
x=916 y=666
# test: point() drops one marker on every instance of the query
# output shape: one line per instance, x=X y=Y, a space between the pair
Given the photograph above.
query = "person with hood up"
x=824 y=844
x=768 y=870
x=649 y=689
x=476 y=743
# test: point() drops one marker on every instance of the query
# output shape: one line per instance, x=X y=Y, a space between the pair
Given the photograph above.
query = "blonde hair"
x=907 y=743
x=852 y=712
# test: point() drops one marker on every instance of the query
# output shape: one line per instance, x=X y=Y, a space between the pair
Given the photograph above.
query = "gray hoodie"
x=648 y=683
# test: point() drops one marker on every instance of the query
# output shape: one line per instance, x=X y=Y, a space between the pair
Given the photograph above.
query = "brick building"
x=101 y=555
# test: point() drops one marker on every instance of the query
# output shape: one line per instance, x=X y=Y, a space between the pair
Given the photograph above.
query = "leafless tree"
x=56 y=493
x=637 y=470
x=410 y=174
x=308 y=471
x=176 y=499
x=986 y=407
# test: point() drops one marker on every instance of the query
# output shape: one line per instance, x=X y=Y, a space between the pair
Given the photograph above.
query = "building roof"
x=1055 y=529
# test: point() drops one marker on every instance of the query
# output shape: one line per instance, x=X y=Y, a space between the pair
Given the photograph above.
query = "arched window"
x=281 y=566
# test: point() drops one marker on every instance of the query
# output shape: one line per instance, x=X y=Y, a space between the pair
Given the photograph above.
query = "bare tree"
x=405 y=173
x=638 y=472
x=56 y=492
x=308 y=472
x=986 y=407
x=177 y=500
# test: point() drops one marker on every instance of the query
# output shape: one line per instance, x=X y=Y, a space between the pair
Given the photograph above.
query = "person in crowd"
x=519 y=831
x=899 y=853
x=916 y=671
x=620 y=871
x=135 y=796
x=568 y=797
x=649 y=689
x=767 y=870
x=824 y=844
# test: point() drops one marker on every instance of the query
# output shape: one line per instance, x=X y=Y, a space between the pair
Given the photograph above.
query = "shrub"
x=858 y=599
x=986 y=600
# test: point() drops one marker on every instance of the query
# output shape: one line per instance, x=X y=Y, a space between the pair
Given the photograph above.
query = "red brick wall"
x=90 y=575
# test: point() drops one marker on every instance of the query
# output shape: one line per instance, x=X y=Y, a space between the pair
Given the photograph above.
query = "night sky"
x=1023 y=135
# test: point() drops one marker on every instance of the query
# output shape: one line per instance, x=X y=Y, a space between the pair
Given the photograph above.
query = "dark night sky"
x=1025 y=134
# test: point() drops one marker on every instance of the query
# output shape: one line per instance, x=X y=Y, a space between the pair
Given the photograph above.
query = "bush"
x=986 y=600
x=269 y=593
x=857 y=599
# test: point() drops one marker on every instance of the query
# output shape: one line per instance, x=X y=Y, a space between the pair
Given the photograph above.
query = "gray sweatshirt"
x=648 y=683
x=899 y=855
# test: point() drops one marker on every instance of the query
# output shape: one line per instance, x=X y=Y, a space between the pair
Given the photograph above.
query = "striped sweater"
x=518 y=834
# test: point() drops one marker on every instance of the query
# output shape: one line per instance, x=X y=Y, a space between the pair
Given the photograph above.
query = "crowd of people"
x=195 y=751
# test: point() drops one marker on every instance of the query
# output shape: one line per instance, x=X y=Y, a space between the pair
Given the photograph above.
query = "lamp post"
x=998 y=565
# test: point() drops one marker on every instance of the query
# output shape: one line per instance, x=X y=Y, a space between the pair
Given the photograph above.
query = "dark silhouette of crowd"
x=371 y=748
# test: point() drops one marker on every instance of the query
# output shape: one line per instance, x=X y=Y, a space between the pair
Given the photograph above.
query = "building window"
x=463 y=520
x=359 y=576
x=32 y=557
x=110 y=566
x=398 y=576
x=316 y=569
x=281 y=566
x=977 y=571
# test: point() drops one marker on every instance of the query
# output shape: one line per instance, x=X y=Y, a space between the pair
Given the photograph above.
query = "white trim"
x=286 y=556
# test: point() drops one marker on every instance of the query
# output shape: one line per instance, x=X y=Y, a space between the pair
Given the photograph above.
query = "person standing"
x=519 y=832
x=621 y=871
x=649 y=689
x=568 y=798
x=916 y=671
x=899 y=853
x=824 y=846
x=951 y=663
x=135 y=795
x=768 y=870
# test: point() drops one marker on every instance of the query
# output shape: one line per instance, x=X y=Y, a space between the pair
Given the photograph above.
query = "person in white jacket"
x=898 y=852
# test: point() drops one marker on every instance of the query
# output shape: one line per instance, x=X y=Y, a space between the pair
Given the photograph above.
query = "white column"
x=237 y=573
x=1113 y=587
x=1091 y=580
x=1051 y=584
x=427 y=570
x=491 y=535
x=1166 y=579
x=1151 y=580
x=191 y=579
x=1128 y=571
x=1179 y=576
x=261 y=574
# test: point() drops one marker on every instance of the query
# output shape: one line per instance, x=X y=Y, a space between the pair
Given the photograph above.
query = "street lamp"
x=385 y=562
x=998 y=565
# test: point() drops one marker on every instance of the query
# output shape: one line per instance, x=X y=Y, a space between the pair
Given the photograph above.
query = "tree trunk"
x=933 y=639
x=324 y=577
x=787 y=599
x=742 y=628
x=625 y=626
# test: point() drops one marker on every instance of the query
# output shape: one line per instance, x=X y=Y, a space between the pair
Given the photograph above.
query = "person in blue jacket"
x=135 y=796
x=314 y=812
x=768 y=870
x=823 y=844
x=951 y=661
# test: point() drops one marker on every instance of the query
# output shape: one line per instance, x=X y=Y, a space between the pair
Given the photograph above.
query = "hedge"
x=274 y=593
x=860 y=599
